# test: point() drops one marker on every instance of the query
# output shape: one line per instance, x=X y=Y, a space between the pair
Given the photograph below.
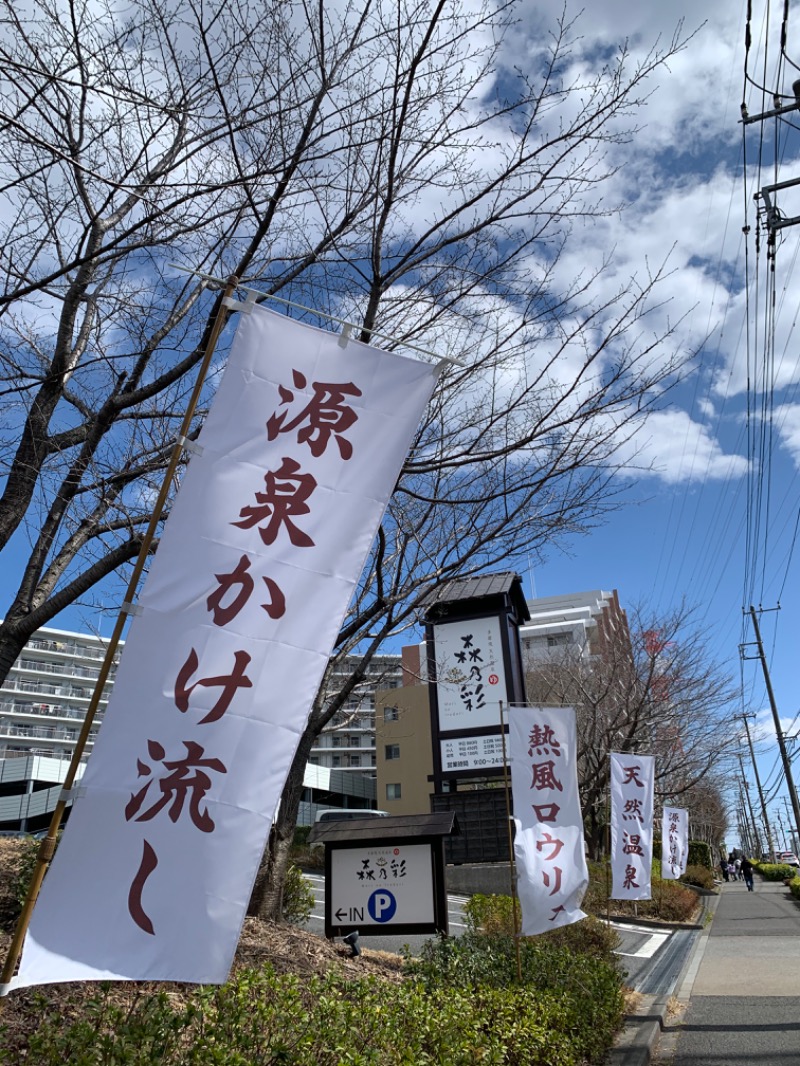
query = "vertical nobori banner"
x=632 y=779
x=674 y=842
x=552 y=876
x=246 y=595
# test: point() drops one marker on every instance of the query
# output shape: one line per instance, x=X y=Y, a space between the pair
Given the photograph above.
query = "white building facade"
x=583 y=623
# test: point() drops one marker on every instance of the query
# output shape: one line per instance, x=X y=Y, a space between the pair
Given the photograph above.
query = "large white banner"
x=552 y=876
x=470 y=673
x=632 y=780
x=245 y=598
x=674 y=842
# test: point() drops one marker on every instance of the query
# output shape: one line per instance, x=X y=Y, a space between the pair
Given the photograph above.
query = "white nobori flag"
x=548 y=847
x=246 y=595
x=674 y=842
x=632 y=779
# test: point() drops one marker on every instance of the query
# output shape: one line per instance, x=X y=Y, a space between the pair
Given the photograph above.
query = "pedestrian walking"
x=723 y=865
x=737 y=870
x=747 y=873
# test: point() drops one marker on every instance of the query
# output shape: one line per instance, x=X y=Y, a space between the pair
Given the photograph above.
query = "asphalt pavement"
x=739 y=1001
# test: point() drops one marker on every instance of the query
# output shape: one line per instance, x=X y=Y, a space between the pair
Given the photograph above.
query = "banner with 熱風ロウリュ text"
x=632 y=783
x=674 y=842
x=552 y=876
x=245 y=597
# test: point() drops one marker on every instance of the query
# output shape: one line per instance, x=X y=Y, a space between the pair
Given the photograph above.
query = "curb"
x=634 y=1045
x=641 y=1030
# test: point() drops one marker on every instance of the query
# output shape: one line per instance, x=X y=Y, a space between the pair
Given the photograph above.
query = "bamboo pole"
x=48 y=844
x=513 y=868
x=608 y=858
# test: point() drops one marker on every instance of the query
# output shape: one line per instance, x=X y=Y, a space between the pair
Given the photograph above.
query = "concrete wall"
x=487 y=879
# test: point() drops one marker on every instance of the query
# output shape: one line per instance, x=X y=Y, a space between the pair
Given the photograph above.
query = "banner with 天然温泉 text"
x=632 y=781
x=257 y=564
x=552 y=876
x=674 y=842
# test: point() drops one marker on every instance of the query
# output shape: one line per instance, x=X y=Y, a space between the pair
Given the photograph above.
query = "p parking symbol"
x=381 y=905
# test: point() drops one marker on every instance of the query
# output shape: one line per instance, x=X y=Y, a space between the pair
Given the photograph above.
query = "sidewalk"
x=741 y=991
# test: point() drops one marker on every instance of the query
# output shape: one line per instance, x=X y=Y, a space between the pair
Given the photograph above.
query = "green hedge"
x=794 y=886
x=565 y=1015
x=579 y=992
x=775 y=871
x=700 y=854
x=493 y=915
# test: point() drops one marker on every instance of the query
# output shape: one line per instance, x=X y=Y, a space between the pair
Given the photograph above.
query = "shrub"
x=491 y=914
x=298 y=896
x=591 y=937
x=700 y=854
x=794 y=886
x=775 y=871
x=262 y=1019
x=24 y=867
x=698 y=875
x=300 y=838
x=671 y=901
x=586 y=988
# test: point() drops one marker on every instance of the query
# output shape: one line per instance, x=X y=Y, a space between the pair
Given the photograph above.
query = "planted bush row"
x=459 y=1005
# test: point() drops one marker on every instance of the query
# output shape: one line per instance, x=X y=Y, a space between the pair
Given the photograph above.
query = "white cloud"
x=787 y=422
x=679 y=450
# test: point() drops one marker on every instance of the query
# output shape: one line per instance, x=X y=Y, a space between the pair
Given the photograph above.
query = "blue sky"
x=712 y=491
x=715 y=521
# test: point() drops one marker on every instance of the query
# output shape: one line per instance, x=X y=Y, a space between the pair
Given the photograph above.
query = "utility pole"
x=756 y=841
x=770 y=846
x=744 y=828
x=787 y=766
x=792 y=836
x=783 y=831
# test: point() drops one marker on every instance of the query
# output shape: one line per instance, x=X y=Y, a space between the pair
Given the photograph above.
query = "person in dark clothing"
x=747 y=873
x=724 y=867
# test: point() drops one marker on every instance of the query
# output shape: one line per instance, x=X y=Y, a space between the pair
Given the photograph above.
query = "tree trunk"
x=266 y=901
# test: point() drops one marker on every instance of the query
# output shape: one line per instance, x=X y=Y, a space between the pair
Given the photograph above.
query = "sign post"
x=385 y=876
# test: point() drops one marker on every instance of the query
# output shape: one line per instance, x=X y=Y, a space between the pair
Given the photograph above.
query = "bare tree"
x=657 y=691
x=708 y=813
x=380 y=160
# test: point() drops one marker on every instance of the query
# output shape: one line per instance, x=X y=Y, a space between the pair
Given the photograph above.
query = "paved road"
x=743 y=985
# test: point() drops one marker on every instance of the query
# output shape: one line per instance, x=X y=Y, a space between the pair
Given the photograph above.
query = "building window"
x=354 y=760
x=355 y=742
x=336 y=742
x=392 y=751
x=336 y=760
x=390 y=714
x=393 y=792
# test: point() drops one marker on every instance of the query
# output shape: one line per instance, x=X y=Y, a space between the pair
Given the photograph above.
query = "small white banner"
x=632 y=780
x=246 y=595
x=674 y=842
x=552 y=876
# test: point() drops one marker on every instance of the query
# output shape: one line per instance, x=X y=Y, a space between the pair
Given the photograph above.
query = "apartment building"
x=586 y=623
x=45 y=697
x=348 y=742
